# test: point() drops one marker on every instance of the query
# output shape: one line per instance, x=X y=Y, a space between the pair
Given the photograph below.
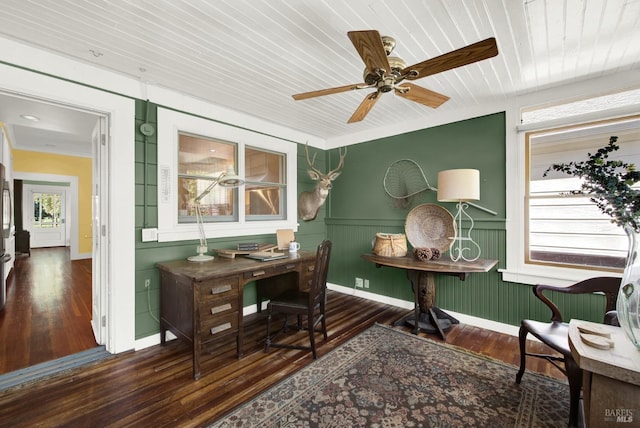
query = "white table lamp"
x=460 y=186
x=226 y=179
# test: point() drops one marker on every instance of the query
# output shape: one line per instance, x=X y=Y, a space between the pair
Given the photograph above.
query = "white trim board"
x=73 y=203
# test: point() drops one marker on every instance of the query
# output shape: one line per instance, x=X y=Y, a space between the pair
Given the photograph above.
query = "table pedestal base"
x=427 y=322
x=430 y=318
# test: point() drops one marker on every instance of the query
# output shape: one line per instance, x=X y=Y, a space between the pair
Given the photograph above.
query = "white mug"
x=293 y=246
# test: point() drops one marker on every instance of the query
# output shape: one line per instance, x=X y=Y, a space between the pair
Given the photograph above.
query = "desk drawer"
x=288 y=267
x=260 y=272
x=219 y=325
x=216 y=307
x=224 y=288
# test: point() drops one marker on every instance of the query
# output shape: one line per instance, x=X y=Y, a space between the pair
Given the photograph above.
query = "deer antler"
x=311 y=162
x=341 y=163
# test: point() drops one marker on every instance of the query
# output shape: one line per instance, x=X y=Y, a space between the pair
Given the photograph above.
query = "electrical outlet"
x=147 y=283
x=366 y=283
x=149 y=234
x=359 y=283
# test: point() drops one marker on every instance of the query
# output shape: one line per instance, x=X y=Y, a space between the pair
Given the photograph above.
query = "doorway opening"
x=64 y=215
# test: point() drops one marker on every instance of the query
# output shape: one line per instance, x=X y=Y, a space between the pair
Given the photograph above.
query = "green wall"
x=148 y=254
x=358 y=207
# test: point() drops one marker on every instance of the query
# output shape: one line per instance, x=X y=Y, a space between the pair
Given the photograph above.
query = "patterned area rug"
x=388 y=378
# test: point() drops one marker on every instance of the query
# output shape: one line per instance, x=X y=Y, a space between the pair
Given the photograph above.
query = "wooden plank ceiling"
x=250 y=56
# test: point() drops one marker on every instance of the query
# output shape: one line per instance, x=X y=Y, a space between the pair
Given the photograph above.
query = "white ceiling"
x=250 y=56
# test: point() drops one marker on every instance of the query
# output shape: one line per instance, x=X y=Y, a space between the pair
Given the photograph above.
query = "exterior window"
x=47 y=210
x=265 y=184
x=569 y=230
x=193 y=152
x=201 y=161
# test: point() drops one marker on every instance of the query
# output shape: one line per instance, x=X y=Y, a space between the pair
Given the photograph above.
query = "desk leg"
x=425 y=315
x=196 y=359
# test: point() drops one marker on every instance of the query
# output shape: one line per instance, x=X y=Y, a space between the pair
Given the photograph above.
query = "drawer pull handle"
x=310 y=268
x=290 y=266
x=221 y=327
x=221 y=289
x=221 y=308
x=258 y=273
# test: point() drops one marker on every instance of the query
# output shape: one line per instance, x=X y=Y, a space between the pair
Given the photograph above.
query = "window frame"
x=517 y=271
x=170 y=123
x=586 y=131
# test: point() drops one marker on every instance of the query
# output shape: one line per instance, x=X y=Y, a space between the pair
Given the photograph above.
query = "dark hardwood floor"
x=154 y=387
x=48 y=310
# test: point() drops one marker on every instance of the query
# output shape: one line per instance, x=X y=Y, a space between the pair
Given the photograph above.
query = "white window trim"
x=517 y=270
x=169 y=123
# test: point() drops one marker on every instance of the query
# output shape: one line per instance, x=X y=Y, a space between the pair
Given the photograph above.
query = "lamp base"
x=200 y=258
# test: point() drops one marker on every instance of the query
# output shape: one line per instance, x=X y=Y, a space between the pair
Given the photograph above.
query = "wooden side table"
x=421 y=274
x=611 y=383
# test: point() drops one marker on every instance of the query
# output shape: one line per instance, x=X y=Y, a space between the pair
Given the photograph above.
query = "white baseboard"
x=153 y=340
x=499 y=327
x=463 y=318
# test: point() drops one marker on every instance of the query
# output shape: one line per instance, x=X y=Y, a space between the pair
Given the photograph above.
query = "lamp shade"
x=458 y=185
x=230 y=179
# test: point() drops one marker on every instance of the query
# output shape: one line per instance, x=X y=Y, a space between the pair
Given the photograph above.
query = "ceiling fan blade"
x=463 y=56
x=421 y=95
x=364 y=108
x=329 y=91
x=369 y=45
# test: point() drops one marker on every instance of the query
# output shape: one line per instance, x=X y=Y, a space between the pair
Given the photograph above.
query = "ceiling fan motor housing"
x=396 y=64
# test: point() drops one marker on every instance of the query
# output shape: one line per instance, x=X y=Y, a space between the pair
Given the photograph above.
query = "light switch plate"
x=149 y=235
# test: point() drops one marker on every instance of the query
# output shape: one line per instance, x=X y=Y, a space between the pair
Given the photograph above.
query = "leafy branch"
x=608 y=183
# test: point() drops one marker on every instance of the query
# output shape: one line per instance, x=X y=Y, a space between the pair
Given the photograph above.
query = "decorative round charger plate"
x=431 y=226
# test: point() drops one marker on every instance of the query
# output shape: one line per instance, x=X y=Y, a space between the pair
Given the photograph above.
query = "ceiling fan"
x=386 y=73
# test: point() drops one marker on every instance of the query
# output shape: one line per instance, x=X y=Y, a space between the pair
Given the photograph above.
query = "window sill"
x=551 y=275
x=224 y=230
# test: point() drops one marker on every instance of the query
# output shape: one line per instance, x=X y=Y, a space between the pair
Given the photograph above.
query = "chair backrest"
x=319 y=284
x=604 y=284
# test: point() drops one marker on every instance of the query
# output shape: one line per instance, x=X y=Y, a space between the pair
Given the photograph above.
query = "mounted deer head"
x=310 y=202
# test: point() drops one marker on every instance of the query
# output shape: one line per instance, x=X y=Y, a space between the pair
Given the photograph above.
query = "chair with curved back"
x=556 y=333
x=300 y=303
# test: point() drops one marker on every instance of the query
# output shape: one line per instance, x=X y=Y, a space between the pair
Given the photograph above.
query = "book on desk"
x=265 y=256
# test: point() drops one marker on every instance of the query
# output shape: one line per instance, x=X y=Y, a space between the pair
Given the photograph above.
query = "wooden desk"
x=201 y=302
x=422 y=276
x=611 y=382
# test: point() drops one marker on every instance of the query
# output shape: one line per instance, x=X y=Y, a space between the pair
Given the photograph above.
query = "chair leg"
x=523 y=355
x=267 y=343
x=324 y=326
x=312 y=338
x=574 y=374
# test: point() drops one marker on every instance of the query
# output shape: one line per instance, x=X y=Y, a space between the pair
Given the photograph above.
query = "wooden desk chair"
x=556 y=333
x=300 y=303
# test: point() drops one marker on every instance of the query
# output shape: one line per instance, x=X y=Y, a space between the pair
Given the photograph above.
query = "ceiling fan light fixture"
x=386 y=85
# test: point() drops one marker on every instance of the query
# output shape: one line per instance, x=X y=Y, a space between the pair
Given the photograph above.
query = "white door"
x=45 y=209
x=99 y=209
